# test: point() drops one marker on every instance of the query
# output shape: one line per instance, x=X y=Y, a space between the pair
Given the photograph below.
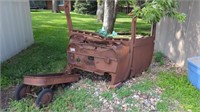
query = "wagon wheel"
x=44 y=98
x=21 y=91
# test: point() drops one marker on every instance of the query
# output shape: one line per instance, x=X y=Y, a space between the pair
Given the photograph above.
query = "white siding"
x=180 y=41
x=15 y=27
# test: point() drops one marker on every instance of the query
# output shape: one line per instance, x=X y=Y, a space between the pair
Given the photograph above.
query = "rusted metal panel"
x=50 y=79
x=143 y=51
x=99 y=55
x=120 y=58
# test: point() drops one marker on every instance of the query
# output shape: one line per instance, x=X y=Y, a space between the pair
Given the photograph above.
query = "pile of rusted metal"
x=121 y=58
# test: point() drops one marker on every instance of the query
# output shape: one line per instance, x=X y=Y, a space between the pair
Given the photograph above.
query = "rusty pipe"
x=68 y=17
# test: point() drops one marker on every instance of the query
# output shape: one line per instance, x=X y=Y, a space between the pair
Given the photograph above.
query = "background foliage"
x=153 y=10
x=85 y=6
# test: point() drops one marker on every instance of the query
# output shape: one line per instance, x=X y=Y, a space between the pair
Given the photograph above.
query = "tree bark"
x=55 y=8
x=110 y=11
x=100 y=10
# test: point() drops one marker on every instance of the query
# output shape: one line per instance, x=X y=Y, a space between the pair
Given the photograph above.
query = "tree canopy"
x=153 y=10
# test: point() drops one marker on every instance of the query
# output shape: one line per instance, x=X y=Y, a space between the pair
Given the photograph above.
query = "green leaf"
x=154 y=10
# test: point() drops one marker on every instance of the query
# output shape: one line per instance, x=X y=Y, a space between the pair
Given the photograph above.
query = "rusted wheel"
x=44 y=98
x=21 y=91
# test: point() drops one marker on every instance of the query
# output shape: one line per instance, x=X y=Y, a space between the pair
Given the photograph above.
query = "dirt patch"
x=7 y=95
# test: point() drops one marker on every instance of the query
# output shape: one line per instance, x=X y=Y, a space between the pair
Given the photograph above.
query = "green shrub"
x=85 y=6
x=158 y=57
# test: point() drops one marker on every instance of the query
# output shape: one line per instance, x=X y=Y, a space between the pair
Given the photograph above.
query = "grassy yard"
x=168 y=90
x=50 y=33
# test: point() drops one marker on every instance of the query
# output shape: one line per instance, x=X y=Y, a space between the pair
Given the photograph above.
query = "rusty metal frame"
x=49 y=79
x=119 y=57
x=130 y=57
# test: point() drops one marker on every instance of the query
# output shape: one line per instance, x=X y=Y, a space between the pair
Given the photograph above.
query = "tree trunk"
x=100 y=10
x=55 y=8
x=110 y=11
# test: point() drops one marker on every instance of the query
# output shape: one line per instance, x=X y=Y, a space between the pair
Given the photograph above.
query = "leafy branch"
x=153 y=10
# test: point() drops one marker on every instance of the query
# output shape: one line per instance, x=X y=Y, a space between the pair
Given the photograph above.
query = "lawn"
x=160 y=88
x=48 y=53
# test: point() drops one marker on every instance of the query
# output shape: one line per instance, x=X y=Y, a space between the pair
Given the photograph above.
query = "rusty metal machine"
x=120 y=58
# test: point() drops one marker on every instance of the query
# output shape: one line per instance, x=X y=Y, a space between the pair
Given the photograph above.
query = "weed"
x=163 y=106
x=158 y=57
x=130 y=101
x=123 y=92
x=88 y=81
x=107 y=95
x=144 y=86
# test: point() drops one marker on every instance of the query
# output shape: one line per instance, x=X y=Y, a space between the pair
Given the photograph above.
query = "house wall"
x=180 y=41
x=61 y=6
x=15 y=27
x=49 y=6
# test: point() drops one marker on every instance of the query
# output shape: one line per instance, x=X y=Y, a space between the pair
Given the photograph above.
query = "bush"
x=158 y=57
x=85 y=6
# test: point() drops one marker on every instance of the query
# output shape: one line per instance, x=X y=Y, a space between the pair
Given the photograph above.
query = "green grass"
x=124 y=91
x=178 y=88
x=143 y=86
x=107 y=95
x=75 y=100
x=88 y=81
x=48 y=53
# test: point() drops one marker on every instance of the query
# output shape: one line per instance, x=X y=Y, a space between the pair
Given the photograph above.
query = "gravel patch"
x=137 y=101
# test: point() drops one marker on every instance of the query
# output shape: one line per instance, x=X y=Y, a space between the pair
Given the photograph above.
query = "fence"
x=179 y=41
